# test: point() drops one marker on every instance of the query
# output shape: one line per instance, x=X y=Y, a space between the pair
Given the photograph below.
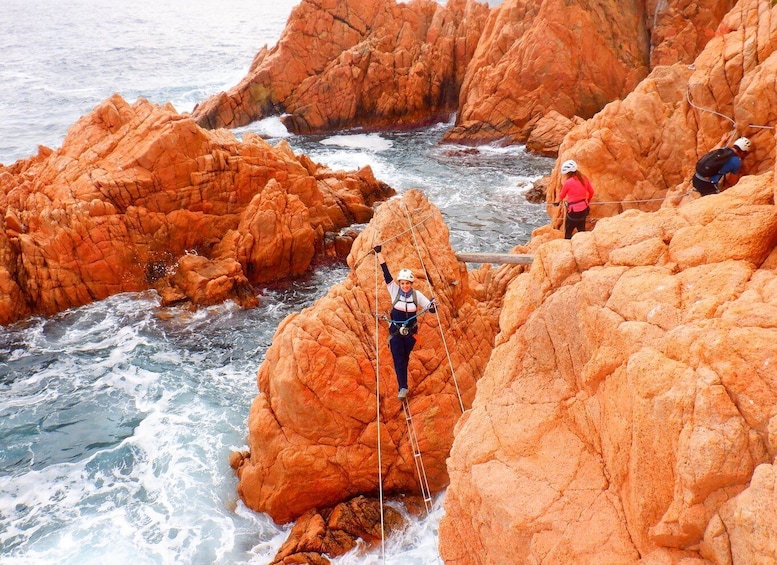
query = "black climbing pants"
x=401 y=346
x=575 y=221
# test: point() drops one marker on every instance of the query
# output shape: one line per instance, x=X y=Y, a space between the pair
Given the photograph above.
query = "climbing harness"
x=403 y=327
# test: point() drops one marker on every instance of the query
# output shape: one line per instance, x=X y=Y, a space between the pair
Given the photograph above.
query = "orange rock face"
x=630 y=397
x=641 y=152
x=139 y=196
x=314 y=427
x=371 y=63
x=534 y=57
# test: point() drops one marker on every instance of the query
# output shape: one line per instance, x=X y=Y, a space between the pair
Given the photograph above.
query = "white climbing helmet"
x=405 y=275
x=743 y=144
x=568 y=167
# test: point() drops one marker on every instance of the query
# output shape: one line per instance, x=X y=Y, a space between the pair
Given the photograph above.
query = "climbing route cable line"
x=377 y=411
x=423 y=482
x=436 y=310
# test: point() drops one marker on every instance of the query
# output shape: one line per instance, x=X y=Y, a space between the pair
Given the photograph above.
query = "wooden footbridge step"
x=511 y=258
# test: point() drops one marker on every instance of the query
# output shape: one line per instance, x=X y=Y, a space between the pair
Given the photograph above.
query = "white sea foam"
x=416 y=544
x=364 y=141
x=268 y=127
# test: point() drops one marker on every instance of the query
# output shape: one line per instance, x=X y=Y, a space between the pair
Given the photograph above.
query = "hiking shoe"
x=402 y=394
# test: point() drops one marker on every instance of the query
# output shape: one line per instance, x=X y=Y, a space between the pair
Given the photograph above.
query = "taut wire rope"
x=377 y=412
x=708 y=110
x=436 y=311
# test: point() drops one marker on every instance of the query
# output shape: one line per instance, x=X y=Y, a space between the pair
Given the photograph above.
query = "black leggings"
x=575 y=220
x=704 y=187
x=401 y=346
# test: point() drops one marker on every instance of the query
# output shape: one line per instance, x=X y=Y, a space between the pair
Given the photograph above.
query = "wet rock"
x=335 y=531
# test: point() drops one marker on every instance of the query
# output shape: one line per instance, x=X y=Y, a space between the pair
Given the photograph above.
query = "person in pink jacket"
x=578 y=192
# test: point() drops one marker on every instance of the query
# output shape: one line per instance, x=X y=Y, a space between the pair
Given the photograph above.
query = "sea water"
x=117 y=418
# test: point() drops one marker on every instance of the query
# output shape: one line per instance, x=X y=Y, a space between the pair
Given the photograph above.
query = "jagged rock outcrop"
x=680 y=29
x=335 y=531
x=367 y=63
x=573 y=58
x=313 y=428
x=139 y=196
x=382 y=65
x=627 y=413
x=641 y=152
x=534 y=57
x=628 y=409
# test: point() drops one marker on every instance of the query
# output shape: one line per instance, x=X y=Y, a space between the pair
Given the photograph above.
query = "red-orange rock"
x=371 y=63
x=140 y=196
x=313 y=428
x=681 y=29
x=534 y=57
x=335 y=531
x=630 y=396
x=641 y=152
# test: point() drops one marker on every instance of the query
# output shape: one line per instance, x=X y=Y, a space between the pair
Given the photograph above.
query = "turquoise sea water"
x=117 y=418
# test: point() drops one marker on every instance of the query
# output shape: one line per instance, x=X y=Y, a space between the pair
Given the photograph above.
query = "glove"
x=377 y=248
x=556 y=203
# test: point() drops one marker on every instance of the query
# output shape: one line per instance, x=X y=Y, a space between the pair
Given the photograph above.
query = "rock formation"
x=313 y=428
x=627 y=413
x=571 y=58
x=380 y=65
x=347 y=63
x=335 y=531
x=630 y=396
x=139 y=197
x=641 y=152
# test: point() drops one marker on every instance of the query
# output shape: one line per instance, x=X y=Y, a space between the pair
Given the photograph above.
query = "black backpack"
x=712 y=162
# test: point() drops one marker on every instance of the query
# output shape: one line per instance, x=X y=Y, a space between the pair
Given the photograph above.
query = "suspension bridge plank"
x=511 y=258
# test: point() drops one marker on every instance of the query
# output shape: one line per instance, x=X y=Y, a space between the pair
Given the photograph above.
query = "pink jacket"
x=577 y=194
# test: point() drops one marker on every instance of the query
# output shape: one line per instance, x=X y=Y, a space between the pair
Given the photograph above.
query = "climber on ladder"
x=407 y=304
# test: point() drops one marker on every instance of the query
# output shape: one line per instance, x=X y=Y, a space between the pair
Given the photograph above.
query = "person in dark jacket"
x=406 y=305
x=727 y=173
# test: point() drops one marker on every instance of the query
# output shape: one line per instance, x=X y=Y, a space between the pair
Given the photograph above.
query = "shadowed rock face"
x=313 y=428
x=335 y=531
x=346 y=63
x=140 y=197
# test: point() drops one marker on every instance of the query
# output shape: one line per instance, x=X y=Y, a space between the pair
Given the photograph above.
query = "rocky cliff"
x=535 y=59
x=640 y=152
x=525 y=70
x=141 y=197
x=626 y=414
x=347 y=63
x=630 y=397
x=315 y=425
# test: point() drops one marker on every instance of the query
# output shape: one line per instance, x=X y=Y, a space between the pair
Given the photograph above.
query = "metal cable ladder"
x=419 y=462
